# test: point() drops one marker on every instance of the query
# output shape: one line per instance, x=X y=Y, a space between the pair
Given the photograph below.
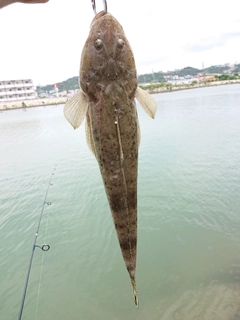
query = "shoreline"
x=189 y=86
x=56 y=101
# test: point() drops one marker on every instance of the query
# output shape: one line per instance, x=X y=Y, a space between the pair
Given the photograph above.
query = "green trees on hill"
x=69 y=84
x=188 y=71
x=151 y=77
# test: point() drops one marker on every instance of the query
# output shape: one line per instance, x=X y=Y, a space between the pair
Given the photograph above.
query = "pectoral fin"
x=148 y=103
x=75 y=109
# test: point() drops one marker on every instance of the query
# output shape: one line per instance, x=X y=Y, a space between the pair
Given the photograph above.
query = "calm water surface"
x=188 y=264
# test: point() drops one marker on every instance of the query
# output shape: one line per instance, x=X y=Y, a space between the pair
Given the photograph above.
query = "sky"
x=44 y=41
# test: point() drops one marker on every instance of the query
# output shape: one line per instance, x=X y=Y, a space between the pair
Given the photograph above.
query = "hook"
x=94 y=6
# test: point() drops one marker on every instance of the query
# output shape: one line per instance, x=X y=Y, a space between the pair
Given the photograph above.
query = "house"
x=12 y=90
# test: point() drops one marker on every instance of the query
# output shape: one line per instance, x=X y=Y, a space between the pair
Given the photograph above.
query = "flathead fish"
x=108 y=81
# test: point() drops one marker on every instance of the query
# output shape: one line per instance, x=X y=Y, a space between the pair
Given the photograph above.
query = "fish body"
x=108 y=81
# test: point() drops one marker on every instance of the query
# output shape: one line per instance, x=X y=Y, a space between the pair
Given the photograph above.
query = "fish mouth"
x=100 y=14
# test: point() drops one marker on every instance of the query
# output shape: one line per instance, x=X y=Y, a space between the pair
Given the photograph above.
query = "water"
x=188 y=264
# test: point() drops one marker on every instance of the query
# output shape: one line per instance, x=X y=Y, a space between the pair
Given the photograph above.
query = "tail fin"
x=135 y=294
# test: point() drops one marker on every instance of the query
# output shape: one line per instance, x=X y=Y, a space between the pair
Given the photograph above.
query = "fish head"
x=106 y=58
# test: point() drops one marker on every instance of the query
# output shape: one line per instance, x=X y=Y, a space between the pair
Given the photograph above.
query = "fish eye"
x=98 y=44
x=120 y=43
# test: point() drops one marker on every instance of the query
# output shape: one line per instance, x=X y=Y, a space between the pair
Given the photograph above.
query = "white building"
x=12 y=90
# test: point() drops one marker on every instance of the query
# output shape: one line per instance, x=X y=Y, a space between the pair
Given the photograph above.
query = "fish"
x=108 y=82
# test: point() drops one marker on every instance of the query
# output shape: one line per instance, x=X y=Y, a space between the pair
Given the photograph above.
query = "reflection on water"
x=188 y=263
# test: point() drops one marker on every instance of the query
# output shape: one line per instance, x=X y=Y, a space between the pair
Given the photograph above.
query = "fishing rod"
x=44 y=247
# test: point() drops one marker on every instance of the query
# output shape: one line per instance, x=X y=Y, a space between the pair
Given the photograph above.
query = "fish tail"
x=135 y=294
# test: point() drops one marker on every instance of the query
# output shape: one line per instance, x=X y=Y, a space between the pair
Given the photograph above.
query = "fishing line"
x=94 y=6
x=41 y=272
x=44 y=247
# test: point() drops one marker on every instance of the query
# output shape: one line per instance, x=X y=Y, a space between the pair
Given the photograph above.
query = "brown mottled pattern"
x=119 y=175
x=108 y=78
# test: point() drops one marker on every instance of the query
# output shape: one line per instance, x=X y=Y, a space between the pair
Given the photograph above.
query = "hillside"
x=237 y=68
x=69 y=84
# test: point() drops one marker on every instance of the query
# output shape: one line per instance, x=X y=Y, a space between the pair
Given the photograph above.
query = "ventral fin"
x=75 y=109
x=139 y=133
x=148 y=103
x=89 y=138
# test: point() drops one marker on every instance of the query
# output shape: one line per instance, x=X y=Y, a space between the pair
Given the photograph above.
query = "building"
x=12 y=90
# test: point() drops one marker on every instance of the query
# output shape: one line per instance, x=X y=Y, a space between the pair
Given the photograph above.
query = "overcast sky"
x=44 y=41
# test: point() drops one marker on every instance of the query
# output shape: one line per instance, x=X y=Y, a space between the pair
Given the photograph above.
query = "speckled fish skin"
x=108 y=81
x=108 y=77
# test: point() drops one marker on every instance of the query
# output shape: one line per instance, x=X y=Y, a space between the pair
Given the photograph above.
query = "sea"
x=188 y=261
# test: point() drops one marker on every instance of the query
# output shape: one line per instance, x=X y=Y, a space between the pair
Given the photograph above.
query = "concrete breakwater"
x=9 y=105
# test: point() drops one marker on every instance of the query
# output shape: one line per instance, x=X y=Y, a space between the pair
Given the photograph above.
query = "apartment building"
x=12 y=90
